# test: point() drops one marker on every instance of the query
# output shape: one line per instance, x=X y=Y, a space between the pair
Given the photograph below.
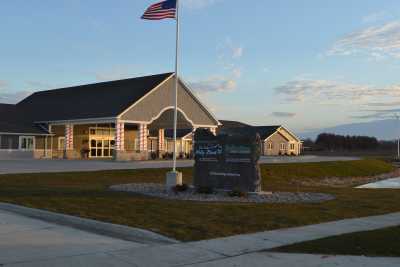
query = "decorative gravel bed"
x=159 y=191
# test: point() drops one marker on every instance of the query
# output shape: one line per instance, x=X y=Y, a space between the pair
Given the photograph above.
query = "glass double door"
x=101 y=148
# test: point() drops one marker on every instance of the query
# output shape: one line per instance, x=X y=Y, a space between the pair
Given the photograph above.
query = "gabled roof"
x=98 y=100
x=6 y=108
x=263 y=131
x=13 y=121
x=232 y=124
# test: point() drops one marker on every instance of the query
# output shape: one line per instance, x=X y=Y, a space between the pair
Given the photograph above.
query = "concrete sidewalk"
x=29 y=241
x=241 y=250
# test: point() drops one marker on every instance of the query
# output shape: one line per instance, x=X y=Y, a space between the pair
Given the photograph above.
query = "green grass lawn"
x=86 y=194
x=382 y=243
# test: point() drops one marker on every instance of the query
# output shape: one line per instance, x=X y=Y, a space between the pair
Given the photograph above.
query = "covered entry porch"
x=123 y=140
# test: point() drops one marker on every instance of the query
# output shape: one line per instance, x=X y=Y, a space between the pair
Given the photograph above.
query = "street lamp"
x=398 y=137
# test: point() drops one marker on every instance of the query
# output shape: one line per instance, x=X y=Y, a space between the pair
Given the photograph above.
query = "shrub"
x=205 y=190
x=180 y=188
x=154 y=155
x=237 y=193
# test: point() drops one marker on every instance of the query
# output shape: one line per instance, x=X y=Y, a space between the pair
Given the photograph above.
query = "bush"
x=205 y=190
x=154 y=155
x=180 y=188
x=237 y=193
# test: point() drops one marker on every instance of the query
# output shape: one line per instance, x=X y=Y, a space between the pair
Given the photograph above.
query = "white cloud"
x=3 y=84
x=377 y=114
x=118 y=72
x=214 y=84
x=280 y=114
x=37 y=85
x=229 y=50
x=383 y=104
x=237 y=52
x=197 y=4
x=375 y=17
x=266 y=70
x=377 y=42
x=333 y=92
x=237 y=73
x=13 y=97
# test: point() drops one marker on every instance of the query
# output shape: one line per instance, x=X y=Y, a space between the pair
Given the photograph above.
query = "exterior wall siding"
x=130 y=138
x=9 y=141
x=276 y=140
x=150 y=107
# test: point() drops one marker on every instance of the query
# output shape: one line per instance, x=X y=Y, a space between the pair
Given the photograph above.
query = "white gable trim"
x=276 y=132
x=290 y=133
x=187 y=88
x=143 y=97
x=168 y=108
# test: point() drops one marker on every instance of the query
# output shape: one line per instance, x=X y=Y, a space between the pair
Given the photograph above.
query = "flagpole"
x=176 y=82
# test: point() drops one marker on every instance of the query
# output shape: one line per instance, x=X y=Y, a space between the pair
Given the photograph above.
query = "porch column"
x=119 y=152
x=143 y=137
x=161 y=142
x=69 y=152
x=119 y=136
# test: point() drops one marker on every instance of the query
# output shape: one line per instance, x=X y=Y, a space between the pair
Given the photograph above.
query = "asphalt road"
x=41 y=166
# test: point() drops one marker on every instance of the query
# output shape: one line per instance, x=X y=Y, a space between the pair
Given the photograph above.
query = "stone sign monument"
x=227 y=161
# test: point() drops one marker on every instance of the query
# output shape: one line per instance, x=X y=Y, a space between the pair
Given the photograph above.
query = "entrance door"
x=101 y=148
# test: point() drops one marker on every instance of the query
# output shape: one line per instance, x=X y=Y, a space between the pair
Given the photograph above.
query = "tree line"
x=335 y=142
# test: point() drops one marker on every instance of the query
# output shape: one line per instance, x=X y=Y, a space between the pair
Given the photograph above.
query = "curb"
x=107 y=229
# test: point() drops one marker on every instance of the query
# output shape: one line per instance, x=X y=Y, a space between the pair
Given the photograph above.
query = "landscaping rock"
x=159 y=191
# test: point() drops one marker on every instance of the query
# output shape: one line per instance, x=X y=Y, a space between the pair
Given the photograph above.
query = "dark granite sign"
x=227 y=162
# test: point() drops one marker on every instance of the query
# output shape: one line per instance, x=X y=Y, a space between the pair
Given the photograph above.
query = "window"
x=26 y=142
x=291 y=146
x=283 y=146
x=153 y=145
x=61 y=143
x=137 y=144
x=270 y=146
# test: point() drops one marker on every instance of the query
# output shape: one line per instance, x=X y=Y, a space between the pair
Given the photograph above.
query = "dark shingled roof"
x=263 y=131
x=232 y=124
x=99 y=100
x=14 y=121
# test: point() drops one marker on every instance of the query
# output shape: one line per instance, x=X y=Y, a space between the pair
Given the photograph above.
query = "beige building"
x=276 y=140
x=280 y=141
x=122 y=120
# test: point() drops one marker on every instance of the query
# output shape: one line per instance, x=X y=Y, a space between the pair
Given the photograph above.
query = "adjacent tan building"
x=276 y=140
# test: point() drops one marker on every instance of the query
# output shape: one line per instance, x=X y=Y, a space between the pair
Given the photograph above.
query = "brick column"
x=120 y=136
x=161 y=139
x=143 y=137
x=69 y=152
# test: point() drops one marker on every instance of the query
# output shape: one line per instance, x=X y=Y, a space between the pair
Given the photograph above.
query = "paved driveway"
x=38 y=166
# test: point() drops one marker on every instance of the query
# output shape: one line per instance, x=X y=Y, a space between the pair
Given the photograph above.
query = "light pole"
x=398 y=137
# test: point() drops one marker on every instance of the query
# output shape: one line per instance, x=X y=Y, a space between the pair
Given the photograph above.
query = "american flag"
x=162 y=10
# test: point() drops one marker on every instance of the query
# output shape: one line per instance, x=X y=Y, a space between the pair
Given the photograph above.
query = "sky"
x=305 y=64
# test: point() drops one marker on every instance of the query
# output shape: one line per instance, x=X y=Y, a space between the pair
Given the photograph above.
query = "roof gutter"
x=80 y=121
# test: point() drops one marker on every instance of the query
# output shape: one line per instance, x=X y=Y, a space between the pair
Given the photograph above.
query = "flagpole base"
x=173 y=179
